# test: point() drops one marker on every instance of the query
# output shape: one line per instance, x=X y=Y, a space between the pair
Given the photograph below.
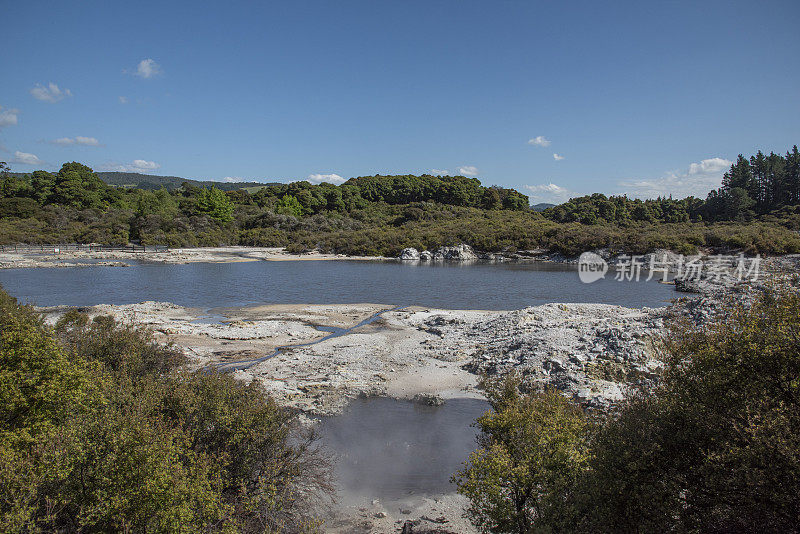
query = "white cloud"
x=146 y=165
x=440 y=172
x=51 y=93
x=79 y=140
x=330 y=178
x=539 y=140
x=233 y=179
x=25 y=158
x=551 y=193
x=710 y=166
x=557 y=157
x=468 y=170
x=697 y=180
x=8 y=117
x=148 y=68
x=138 y=165
x=123 y=100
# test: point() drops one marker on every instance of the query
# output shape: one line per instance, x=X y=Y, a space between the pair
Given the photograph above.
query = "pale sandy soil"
x=373 y=516
x=403 y=353
x=11 y=260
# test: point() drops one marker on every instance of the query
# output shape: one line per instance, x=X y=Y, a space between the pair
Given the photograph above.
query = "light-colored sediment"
x=212 y=337
x=16 y=260
x=585 y=350
x=443 y=512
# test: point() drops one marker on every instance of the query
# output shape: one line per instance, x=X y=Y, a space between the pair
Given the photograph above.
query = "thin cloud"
x=329 y=178
x=539 y=140
x=50 y=93
x=557 y=157
x=79 y=140
x=123 y=100
x=148 y=68
x=551 y=193
x=439 y=172
x=697 y=180
x=25 y=158
x=138 y=165
x=233 y=179
x=468 y=170
x=8 y=117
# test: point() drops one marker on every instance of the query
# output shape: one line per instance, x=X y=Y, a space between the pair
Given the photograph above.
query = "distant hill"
x=135 y=180
x=542 y=206
x=149 y=181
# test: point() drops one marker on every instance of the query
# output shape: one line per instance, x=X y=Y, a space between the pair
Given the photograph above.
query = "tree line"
x=751 y=188
x=381 y=215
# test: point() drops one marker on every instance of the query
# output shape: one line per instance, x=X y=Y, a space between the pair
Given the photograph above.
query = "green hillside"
x=149 y=182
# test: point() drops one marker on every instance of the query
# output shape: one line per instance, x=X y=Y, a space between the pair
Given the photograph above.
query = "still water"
x=503 y=286
x=391 y=449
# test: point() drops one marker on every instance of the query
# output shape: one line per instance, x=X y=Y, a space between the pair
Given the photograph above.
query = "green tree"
x=289 y=205
x=532 y=452
x=216 y=204
x=78 y=186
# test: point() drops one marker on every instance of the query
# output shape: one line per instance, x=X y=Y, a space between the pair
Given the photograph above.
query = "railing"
x=76 y=247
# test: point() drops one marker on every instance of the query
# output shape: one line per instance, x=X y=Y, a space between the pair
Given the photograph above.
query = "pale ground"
x=11 y=260
x=403 y=353
x=373 y=516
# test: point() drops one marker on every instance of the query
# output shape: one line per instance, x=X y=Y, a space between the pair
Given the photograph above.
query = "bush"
x=712 y=448
x=102 y=430
x=533 y=451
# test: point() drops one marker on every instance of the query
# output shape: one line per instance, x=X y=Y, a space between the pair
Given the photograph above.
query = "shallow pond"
x=392 y=449
x=503 y=286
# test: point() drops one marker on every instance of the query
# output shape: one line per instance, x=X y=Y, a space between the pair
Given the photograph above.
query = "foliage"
x=215 y=204
x=381 y=215
x=289 y=205
x=758 y=186
x=713 y=447
x=101 y=430
x=532 y=452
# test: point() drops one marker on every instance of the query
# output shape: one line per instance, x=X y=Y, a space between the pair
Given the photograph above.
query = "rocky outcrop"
x=460 y=252
x=409 y=254
x=590 y=352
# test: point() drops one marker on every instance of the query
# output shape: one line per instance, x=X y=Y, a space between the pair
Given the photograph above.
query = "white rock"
x=409 y=254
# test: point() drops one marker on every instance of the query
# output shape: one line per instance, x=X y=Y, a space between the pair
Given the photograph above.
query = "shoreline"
x=237 y=254
x=22 y=260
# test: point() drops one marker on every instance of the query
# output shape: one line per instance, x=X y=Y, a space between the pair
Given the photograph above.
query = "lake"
x=487 y=286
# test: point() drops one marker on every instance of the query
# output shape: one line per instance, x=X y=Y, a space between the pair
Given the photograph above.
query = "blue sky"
x=552 y=98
